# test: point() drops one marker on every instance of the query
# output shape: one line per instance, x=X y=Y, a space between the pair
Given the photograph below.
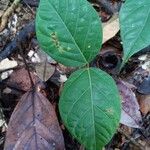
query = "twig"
x=25 y=62
x=132 y=140
x=7 y=13
x=24 y=37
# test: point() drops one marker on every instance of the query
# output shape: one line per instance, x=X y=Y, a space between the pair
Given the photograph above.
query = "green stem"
x=122 y=65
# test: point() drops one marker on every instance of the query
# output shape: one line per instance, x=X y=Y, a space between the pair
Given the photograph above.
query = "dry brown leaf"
x=46 y=69
x=144 y=101
x=33 y=125
x=130 y=115
x=110 y=28
x=20 y=79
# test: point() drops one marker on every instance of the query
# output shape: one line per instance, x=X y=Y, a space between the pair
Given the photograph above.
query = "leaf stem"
x=121 y=66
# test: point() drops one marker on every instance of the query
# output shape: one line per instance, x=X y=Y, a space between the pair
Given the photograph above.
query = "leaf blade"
x=68 y=34
x=130 y=114
x=33 y=124
x=134 y=23
x=87 y=111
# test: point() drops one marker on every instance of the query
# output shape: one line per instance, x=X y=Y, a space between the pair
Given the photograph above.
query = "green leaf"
x=69 y=31
x=90 y=107
x=135 y=26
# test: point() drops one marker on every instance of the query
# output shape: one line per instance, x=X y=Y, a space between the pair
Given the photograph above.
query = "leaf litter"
x=131 y=115
x=34 y=125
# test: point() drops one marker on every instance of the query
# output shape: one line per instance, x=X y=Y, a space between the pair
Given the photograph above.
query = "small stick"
x=22 y=55
x=7 y=13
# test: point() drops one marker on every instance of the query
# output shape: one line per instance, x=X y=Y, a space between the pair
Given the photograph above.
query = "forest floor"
x=16 y=63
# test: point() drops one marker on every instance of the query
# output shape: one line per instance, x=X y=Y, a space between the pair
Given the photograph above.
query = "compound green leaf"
x=135 y=26
x=69 y=31
x=90 y=107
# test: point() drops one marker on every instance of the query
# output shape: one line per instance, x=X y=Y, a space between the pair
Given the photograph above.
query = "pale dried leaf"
x=33 y=125
x=19 y=79
x=110 y=28
x=7 y=64
x=131 y=115
x=44 y=71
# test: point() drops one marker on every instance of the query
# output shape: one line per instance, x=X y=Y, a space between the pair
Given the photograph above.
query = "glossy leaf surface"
x=69 y=31
x=33 y=125
x=90 y=107
x=135 y=26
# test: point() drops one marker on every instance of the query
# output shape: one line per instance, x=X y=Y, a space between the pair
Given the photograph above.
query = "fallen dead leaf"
x=130 y=115
x=110 y=28
x=19 y=79
x=144 y=102
x=34 y=125
x=44 y=70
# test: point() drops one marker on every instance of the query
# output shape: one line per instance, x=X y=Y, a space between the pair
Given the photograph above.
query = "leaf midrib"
x=92 y=105
x=68 y=32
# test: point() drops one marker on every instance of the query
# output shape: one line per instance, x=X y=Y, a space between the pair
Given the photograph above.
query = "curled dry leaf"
x=131 y=115
x=33 y=125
